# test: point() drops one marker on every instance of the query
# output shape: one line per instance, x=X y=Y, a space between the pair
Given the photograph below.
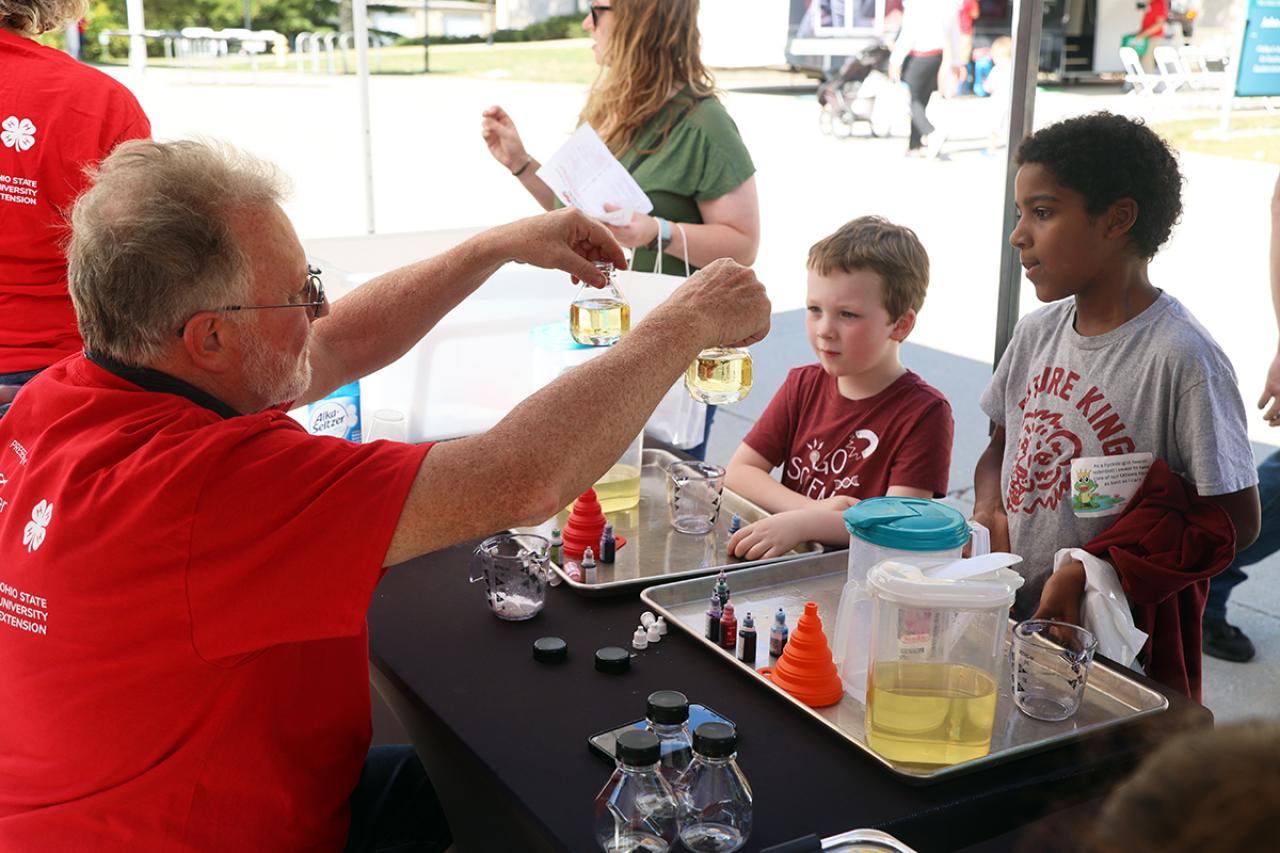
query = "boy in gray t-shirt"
x=1118 y=370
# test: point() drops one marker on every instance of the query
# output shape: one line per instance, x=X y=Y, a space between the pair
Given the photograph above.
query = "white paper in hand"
x=585 y=174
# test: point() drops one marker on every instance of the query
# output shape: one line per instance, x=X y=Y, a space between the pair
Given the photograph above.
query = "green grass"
x=556 y=62
x=1253 y=137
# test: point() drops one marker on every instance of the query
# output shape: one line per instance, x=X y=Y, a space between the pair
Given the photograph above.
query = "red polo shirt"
x=182 y=617
x=57 y=116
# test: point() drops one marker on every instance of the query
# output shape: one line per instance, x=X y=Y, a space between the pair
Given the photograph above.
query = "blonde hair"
x=33 y=17
x=894 y=252
x=654 y=47
x=151 y=242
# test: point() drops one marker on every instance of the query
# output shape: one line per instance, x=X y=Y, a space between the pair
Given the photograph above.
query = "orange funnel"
x=806 y=669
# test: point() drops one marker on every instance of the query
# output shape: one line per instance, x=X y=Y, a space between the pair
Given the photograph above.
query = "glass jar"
x=715 y=808
x=719 y=375
x=599 y=316
x=667 y=716
x=636 y=810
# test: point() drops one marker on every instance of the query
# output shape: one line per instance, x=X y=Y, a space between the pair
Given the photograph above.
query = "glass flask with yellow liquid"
x=719 y=375
x=599 y=316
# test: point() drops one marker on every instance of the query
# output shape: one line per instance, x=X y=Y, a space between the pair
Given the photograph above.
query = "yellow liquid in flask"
x=719 y=376
x=599 y=322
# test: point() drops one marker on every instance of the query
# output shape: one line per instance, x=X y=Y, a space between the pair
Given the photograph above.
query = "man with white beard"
x=184 y=571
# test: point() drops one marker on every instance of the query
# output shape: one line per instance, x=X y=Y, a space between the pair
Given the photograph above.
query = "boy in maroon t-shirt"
x=857 y=424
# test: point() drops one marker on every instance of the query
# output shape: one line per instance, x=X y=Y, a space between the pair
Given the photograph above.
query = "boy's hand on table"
x=837 y=503
x=770 y=537
x=1062 y=594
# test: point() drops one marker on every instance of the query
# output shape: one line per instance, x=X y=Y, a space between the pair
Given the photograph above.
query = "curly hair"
x=654 y=47
x=1107 y=157
x=33 y=17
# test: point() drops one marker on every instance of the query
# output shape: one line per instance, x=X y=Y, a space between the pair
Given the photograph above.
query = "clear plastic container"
x=619 y=488
x=936 y=653
x=667 y=716
x=636 y=810
x=911 y=530
x=715 y=799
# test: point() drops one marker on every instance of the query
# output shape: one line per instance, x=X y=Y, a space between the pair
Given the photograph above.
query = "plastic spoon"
x=973 y=566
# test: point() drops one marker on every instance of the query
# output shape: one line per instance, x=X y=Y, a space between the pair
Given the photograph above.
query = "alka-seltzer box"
x=337 y=415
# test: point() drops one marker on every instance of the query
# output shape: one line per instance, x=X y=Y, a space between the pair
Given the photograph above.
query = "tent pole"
x=1027 y=15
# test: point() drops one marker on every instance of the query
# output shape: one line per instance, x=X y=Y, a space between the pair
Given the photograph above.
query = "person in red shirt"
x=857 y=424
x=184 y=571
x=58 y=117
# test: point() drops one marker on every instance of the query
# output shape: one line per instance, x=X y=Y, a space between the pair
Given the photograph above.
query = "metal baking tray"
x=1110 y=697
x=655 y=552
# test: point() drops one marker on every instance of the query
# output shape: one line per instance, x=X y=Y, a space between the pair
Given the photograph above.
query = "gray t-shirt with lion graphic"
x=1157 y=384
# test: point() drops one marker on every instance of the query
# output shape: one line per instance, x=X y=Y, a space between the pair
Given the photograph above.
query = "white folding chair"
x=1172 y=72
x=1140 y=82
x=1195 y=62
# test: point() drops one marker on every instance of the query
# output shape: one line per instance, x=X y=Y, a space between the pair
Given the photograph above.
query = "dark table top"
x=506 y=736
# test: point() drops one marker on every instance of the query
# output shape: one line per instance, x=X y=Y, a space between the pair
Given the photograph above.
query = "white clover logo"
x=33 y=534
x=19 y=134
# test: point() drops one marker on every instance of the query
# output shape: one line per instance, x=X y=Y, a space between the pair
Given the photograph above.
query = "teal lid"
x=907 y=524
x=555 y=336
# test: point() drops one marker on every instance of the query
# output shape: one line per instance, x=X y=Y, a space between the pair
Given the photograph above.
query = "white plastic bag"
x=679 y=420
x=1105 y=608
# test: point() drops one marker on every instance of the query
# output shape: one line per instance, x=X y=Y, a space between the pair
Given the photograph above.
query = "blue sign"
x=1259 y=74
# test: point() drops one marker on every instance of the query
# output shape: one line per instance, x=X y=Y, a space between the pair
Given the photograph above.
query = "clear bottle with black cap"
x=636 y=810
x=715 y=807
x=667 y=716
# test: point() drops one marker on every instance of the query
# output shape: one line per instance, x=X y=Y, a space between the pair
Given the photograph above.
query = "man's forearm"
x=549 y=448
x=383 y=318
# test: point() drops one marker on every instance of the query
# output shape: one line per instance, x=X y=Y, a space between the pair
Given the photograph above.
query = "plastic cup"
x=1050 y=667
x=693 y=496
x=389 y=424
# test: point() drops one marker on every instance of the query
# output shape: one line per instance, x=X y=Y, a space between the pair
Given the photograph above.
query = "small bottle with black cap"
x=667 y=716
x=715 y=808
x=636 y=809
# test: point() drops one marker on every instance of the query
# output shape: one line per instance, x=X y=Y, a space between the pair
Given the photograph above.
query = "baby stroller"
x=852 y=94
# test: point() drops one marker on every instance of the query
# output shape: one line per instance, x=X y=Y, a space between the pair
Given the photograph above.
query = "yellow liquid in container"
x=599 y=322
x=719 y=376
x=619 y=488
x=930 y=713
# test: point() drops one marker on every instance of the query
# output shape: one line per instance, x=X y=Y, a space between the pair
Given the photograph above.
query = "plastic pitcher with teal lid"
x=915 y=531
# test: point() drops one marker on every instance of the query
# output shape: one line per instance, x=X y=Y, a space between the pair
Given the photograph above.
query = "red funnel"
x=584 y=527
x=805 y=669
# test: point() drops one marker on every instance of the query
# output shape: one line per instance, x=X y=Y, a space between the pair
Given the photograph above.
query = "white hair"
x=151 y=241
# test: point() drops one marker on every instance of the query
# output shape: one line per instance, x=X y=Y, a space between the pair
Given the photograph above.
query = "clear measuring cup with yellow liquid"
x=937 y=646
x=599 y=316
x=719 y=375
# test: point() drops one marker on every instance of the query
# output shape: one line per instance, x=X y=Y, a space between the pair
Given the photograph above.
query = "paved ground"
x=432 y=172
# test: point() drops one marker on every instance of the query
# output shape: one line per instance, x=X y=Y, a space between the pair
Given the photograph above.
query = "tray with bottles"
x=1110 y=697
x=655 y=552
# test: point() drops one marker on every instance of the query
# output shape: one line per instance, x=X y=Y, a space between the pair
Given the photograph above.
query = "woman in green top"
x=655 y=107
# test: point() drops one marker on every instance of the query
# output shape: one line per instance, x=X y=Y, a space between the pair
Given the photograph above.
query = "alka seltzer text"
x=599 y=317
x=719 y=375
x=337 y=415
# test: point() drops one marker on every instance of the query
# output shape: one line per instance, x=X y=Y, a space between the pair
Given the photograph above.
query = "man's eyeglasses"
x=312 y=298
x=596 y=9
